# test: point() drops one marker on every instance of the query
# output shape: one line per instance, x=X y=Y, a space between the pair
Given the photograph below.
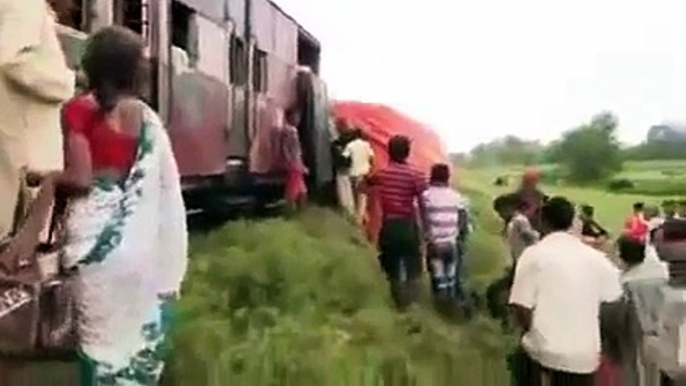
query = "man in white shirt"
x=559 y=286
x=361 y=157
x=34 y=81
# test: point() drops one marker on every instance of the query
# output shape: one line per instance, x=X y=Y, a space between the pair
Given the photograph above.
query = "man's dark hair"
x=587 y=210
x=440 y=174
x=399 y=148
x=500 y=203
x=558 y=214
x=639 y=206
x=631 y=251
x=113 y=62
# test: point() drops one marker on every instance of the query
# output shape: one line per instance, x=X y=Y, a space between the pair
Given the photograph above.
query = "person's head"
x=587 y=212
x=639 y=207
x=293 y=117
x=399 y=148
x=358 y=134
x=652 y=212
x=669 y=208
x=530 y=178
x=440 y=175
x=631 y=251
x=114 y=62
x=558 y=214
x=681 y=208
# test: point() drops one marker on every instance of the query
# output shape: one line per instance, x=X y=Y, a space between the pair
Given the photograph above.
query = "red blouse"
x=109 y=149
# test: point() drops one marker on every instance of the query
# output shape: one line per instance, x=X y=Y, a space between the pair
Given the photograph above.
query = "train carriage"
x=220 y=72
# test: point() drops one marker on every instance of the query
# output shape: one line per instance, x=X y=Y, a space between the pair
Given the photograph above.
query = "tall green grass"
x=303 y=302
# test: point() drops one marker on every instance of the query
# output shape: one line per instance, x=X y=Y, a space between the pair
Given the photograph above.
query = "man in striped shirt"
x=446 y=226
x=399 y=187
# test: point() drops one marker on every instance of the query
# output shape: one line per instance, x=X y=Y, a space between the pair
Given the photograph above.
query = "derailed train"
x=220 y=71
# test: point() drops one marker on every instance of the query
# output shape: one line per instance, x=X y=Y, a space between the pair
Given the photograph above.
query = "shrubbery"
x=302 y=302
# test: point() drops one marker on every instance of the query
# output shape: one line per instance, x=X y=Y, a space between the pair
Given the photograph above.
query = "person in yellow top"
x=34 y=82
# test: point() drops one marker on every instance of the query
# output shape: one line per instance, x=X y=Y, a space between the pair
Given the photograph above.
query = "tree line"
x=589 y=152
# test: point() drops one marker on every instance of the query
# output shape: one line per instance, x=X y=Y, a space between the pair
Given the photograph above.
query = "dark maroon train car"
x=222 y=72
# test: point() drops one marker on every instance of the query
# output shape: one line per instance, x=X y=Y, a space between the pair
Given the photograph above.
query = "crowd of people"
x=117 y=196
x=570 y=300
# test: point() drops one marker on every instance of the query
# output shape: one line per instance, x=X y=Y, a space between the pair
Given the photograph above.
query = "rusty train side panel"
x=221 y=72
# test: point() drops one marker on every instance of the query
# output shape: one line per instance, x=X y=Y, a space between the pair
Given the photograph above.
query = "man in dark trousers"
x=400 y=187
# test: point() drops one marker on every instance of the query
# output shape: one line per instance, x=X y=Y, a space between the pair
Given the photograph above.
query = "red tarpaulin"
x=379 y=123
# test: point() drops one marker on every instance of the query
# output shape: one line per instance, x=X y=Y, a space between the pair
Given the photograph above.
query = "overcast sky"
x=476 y=70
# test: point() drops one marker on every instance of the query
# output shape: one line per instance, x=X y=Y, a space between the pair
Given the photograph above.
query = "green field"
x=611 y=208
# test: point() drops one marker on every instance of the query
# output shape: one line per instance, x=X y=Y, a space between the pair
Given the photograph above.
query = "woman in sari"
x=126 y=224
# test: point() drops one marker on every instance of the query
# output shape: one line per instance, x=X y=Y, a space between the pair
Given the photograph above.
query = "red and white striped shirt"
x=400 y=188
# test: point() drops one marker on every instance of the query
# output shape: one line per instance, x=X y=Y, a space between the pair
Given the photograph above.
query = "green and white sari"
x=129 y=244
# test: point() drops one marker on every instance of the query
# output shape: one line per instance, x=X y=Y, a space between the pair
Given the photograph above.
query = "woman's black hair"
x=399 y=148
x=639 y=206
x=631 y=251
x=113 y=63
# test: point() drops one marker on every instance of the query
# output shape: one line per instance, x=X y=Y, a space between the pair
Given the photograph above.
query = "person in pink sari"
x=296 y=189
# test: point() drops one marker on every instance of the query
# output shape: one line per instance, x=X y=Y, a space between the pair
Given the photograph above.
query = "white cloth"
x=120 y=281
x=361 y=155
x=564 y=282
x=34 y=81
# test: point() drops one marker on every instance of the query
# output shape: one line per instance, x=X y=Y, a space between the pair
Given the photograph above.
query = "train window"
x=238 y=62
x=260 y=71
x=183 y=28
x=68 y=12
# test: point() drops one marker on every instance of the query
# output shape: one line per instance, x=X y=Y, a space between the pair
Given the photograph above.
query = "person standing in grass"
x=681 y=211
x=559 y=286
x=592 y=233
x=669 y=209
x=361 y=158
x=520 y=232
x=636 y=226
x=400 y=188
x=444 y=211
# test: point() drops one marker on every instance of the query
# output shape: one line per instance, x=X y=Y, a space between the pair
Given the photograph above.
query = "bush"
x=620 y=184
x=304 y=303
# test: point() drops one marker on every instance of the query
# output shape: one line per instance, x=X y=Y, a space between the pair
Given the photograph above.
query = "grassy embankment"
x=302 y=302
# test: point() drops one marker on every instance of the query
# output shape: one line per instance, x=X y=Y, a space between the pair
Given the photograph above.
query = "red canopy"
x=379 y=123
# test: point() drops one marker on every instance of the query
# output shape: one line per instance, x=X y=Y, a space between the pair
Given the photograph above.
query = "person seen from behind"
x=444 y=211
x=34 y=82
x=636 y=226
x=361 y=158
x=126 y=222
x=559 y=286
x=296 y=189
x=669 y=209
x=400 y=187
x=681 y=211
x=592 y=232
x=520 y=233
x=532 y=196
x=342 y=166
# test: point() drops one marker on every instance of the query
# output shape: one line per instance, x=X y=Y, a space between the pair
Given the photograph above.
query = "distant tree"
x=590 y=152
x=509 y=150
